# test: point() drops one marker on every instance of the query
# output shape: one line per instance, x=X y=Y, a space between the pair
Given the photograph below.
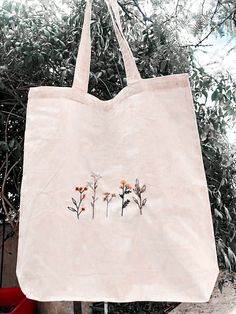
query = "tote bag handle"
x=82 y=67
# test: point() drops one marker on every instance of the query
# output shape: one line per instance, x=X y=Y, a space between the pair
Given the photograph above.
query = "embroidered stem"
x=107 y=208
x=93 y=186
x=125 y=189
x=108 y=198
x=78 y=205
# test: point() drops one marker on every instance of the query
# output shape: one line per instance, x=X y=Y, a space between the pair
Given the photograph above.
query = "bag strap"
x=82 y=67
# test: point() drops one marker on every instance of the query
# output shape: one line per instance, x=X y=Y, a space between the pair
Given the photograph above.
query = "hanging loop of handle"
x=82 y=67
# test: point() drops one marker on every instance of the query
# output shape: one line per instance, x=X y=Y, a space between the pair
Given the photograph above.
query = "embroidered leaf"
x=143 y=189
x=89 y=184
x=71 y=208
x=74 y=201
x=144 y=202
x=128 y=191
x=126 y=203
x=135 y=200
x=121 y=195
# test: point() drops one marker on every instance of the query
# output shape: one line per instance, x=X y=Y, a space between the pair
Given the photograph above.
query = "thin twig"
x=145 y=18
x=192 y=45
x=215 y=11
x=176 y=8
x=7 y=213
x=105 y=87
x=9 y=203
x=203 y=4
x=13 y=114
x=214 y=28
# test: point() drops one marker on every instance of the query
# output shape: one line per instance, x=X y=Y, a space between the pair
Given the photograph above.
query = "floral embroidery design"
x=125 y=189
x=78 y=205
x=138 y=190
x=108 y=198
x=93 y=184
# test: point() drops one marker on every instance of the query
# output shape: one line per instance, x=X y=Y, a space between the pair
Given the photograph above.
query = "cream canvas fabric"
x=114 y=202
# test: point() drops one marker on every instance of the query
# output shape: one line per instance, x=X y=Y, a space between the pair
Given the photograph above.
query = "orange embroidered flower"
x=77 y=188
x=123 y=182
x=128 y=186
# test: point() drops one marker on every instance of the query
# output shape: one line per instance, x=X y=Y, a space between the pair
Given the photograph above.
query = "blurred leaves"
x=215 y=105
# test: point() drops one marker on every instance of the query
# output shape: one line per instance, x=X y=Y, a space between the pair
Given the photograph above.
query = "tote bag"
x=114 y=201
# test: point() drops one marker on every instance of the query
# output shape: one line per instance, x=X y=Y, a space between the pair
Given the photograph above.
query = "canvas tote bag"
x=114 y=201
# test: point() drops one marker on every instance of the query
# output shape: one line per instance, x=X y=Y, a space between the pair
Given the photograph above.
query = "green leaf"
x=214 y=96
x=218 y=213
x=46 y=32
x=227 y=261
x=40 y=59
x=227 y=214
x=12 y=143
x=3 y=146
x=231 y=256
x=204 y=92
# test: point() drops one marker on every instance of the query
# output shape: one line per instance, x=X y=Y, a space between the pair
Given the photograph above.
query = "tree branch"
x=176 y=8
x=214 y=28
x=145 y=18
x=216 y=8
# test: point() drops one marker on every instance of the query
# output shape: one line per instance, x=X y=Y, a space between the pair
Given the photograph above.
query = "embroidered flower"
x=93 y=185
x=125 y=189
x=78 y=209
x=138 y=190
x=108 y=198
x=128 y=186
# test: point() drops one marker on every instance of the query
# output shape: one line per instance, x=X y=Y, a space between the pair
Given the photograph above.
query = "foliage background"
x=38 y=46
